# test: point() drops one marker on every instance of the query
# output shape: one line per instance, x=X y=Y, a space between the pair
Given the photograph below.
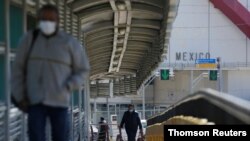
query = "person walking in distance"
x=132 y=121
x=49 y=65
x=103 y=130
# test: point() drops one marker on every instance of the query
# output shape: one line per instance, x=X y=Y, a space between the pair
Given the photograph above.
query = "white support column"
x=86 y=109
x=191 y=81
x=143 y=101
x=111 y=89
x=7 y=68
x=220 y=75
x=80 y=113
x=108 y=112
x=72 y=117
x=24 y=122
x=95 y=111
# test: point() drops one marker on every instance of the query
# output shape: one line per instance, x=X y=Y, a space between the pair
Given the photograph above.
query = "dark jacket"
x=131 y=121
x=103 y=131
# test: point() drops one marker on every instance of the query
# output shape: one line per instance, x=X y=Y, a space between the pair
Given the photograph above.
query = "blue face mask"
x=131 y=110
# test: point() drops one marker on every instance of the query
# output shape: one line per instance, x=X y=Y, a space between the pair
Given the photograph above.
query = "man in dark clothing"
x=103 y=130
x=131 y=120
x=57 y=64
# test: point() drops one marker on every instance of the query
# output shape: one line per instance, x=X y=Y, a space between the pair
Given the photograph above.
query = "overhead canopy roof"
x=125 y=37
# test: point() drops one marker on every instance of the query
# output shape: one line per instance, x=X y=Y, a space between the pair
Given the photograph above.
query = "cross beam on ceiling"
x=122 y=16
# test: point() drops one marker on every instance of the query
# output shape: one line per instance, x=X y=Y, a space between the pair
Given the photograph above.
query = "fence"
x=18 y=124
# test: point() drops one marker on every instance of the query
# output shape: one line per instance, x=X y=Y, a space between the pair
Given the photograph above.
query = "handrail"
x=217 y=107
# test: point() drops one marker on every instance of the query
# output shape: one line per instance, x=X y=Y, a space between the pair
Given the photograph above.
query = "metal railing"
x=217 y=107
x=113 y=132
x=2 y=119
x=16 y=125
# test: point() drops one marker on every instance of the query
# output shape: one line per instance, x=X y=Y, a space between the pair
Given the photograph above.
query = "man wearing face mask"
x=56 y=65
x=132 y=121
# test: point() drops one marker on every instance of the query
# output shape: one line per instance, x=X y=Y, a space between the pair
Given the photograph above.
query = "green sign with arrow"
x=213 y=75
x=164 y=74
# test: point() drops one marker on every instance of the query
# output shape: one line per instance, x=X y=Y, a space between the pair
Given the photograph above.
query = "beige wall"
x=171 y=91
x=239 y=83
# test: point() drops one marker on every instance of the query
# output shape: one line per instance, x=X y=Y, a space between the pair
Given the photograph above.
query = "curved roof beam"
x=90 y=28
x=99 y=41
x=141 y=38
x=145 y=31
x=131 y=61
x=157 y=3
x=137 y=48
x=106 y=44
x=103 y=13
x=146 y=24
x=139 y=43
x=143 y=11
x=100 y=34
x=98 y=51
x=101 y=57
x=93 y=44
x=83 y=4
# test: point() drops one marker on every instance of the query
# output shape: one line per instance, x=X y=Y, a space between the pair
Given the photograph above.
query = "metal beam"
x=98 y=51
x=141 y=38
x=135 y=53
x=95 y=14
x=116 y=22
x=7 y=68
x=90 y=28
x=101 y=69
x=112 y=3
x=137 y=48
x=83 y=4
x=99 y=58
x=139 y=43
x=147 y=12
x=146 y=31
x=99 y=41
x=147 y=24
x=97 y=64
x=87 y=108
x=99 y=34
x=97 y=27
x=129 y=22
x=24 y=123
x=130 y=61
x=135 y=35
x=90 y=45
x=157 y=3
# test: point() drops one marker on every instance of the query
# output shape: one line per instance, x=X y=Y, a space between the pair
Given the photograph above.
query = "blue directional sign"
x=205 y=61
